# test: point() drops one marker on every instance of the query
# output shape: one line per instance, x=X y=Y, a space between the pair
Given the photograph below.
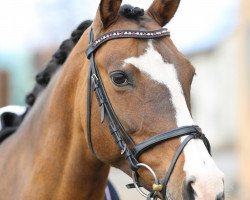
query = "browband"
x=125 y=34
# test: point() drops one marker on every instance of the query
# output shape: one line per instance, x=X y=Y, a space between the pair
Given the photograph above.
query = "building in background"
x=18 y=68
x=243 y=134
x=4 y=80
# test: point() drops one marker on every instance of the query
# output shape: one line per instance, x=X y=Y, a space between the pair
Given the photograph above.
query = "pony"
x=64 y=147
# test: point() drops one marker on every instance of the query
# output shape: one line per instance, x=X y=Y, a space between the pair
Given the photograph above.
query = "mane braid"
x=43 y=78
x=131 y=12
x=59 y=57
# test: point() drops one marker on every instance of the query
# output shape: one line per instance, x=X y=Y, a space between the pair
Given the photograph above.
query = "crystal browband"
x=126 y=34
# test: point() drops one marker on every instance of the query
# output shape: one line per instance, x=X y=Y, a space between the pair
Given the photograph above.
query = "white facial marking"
x=153 y=65
x=198 y=162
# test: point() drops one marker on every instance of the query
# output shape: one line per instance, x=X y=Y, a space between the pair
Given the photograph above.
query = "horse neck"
x=61 y=163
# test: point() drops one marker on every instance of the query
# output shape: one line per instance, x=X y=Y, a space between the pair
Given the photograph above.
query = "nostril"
x=188 y=191
x=220 y=196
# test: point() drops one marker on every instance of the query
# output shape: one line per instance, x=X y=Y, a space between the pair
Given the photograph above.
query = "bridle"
x=129 y=149
x=118 y=132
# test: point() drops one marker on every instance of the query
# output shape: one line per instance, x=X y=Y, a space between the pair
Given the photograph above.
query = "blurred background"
x=213 y=34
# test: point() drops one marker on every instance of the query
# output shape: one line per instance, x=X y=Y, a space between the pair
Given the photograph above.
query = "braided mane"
x=131 y=12
x=59 y=57
x=43 y=78
x=57 y=60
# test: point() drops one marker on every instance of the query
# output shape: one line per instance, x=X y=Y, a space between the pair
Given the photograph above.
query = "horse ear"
x=108 y=12
x=163 y=10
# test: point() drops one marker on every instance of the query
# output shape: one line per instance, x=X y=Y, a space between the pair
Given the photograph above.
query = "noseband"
x=129 y=149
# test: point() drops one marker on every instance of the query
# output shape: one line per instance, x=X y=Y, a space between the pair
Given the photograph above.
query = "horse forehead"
x=152 y=63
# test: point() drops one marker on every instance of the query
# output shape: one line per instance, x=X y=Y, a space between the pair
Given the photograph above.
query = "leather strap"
x=94 y=45
x=192 y=132
x=106 y=109
x=173 y=162
x=159 y=138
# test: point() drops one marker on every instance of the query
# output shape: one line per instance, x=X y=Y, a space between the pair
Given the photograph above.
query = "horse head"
x=142 y=83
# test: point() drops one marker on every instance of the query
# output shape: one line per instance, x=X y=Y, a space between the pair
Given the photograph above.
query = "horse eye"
x=119 y=78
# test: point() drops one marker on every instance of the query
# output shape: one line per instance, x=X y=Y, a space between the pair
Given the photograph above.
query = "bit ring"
x=135 y=178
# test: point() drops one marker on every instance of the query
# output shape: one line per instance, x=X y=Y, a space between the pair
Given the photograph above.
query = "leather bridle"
x=129 y=149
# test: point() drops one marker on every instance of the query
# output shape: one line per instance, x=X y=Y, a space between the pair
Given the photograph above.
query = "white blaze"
x=198 y=163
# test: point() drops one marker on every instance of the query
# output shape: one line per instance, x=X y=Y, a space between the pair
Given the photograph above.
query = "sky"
x=31 y=24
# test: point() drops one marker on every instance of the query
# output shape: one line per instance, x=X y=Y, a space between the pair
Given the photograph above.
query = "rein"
x=122 y=138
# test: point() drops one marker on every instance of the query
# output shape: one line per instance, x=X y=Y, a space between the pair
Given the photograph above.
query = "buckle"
x=94 y=78
x=198 y=135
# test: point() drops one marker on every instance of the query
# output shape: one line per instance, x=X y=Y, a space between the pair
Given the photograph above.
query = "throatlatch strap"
x=89 y=88
x=88 y=119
